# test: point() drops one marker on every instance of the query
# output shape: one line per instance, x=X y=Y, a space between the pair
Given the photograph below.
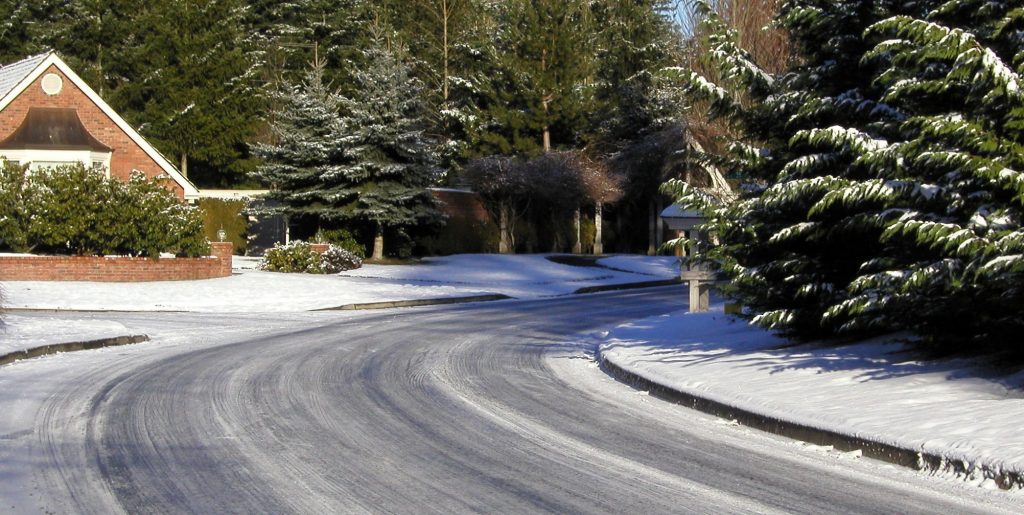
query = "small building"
x=49 y=116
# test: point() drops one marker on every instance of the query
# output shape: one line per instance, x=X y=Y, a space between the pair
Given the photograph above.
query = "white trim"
x=189 y=189
x=37 y=158
x=232 y=194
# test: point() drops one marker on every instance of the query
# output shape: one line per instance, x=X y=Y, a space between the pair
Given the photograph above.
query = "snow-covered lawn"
x=248 y=290
x=20 y=332
x=874 y=390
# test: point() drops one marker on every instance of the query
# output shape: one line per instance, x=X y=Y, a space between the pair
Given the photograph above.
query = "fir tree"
x=192 y=91
x=952 y=268
x=305 y=159
x=790 y=248
x=537 y=89
x=390 y=160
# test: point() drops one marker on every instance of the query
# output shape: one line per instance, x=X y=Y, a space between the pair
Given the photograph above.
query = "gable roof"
x=15 y=78
x=12 y=74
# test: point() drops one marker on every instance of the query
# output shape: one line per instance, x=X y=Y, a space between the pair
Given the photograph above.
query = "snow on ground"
x=248 y=290
x=874 y=390
x=19 y=332
x=660 y=267
x=520 y=276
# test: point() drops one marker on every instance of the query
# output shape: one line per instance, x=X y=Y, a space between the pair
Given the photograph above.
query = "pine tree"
x=95 y=38
x=192 y=91
x=794 y=243
x=305 y=159
x=537 y=90
x=390 y=160
x=954 y=218
x=635 y=40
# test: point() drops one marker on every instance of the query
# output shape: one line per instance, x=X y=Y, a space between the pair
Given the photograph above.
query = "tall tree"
x=804 y=136
x=302 y=164
x=391 y=160
x=538 y=90
x=95 y=37
x=193 y=88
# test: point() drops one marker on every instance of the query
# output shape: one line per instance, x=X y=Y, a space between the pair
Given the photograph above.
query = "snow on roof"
x=12 y=74
x=677 y=211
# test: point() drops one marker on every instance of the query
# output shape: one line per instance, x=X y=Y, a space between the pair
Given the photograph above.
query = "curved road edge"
x=55 y=348
x=912 y=458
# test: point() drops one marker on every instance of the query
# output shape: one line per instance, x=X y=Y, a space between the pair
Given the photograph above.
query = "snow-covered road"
x=485 y=408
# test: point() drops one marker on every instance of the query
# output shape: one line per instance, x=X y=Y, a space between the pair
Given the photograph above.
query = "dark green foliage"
x=191 y=91
x=342 y=238
x=227 y=215
x=389 y=160
x=885 y=191
x=307 y=153
x=74 y=210
x=536 y=78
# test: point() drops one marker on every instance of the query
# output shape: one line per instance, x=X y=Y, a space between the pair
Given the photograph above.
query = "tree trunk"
x=598 y=236
x=659 y=235
x=651 y=228
x=577 y=246
x=184 y=165
x=378 y=244
x=505 y=241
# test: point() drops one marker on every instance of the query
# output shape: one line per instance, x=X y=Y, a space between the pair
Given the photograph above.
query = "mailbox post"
x=698 y=277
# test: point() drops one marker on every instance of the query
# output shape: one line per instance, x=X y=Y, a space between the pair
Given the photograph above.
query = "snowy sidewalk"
x=22 y=333
x=871 y=391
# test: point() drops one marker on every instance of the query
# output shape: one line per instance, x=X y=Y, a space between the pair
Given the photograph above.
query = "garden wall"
x=117 y=269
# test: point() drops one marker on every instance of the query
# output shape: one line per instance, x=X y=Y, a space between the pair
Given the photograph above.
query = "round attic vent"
x=52 y=84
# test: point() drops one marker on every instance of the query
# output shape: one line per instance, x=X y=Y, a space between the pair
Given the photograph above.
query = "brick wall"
x=461 y=204
x=127 y=156
x=117 y=269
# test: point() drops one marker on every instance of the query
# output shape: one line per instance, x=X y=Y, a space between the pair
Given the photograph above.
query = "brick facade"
x=117 y=269
x=461 y=204
x=126 y=156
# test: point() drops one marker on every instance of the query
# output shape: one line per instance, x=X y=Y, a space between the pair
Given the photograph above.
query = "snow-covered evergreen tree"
x=789 y=249
x=303 y=163
x=952 y=269
x=390 y=161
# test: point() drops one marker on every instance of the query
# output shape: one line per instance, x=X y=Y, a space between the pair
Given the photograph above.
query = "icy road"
x=476 y=408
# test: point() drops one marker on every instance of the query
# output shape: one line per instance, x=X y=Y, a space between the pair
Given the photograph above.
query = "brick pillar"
x=222 y=250
x=319 y=248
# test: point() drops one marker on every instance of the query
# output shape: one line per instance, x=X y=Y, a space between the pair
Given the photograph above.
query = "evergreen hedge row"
x=72 y=210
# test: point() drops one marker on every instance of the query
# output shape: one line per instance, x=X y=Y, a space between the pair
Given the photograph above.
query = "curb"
x=55 y=348
x=417 y=302
x=910 y=458
x=628 y=286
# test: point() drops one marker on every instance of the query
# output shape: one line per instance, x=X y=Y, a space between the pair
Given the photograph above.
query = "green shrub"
x=226 y=214
x=75 y=210
x=17 y=195
x=299 y=257
x=341 y=238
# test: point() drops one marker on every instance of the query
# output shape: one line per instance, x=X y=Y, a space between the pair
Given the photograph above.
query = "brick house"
x=49 y=116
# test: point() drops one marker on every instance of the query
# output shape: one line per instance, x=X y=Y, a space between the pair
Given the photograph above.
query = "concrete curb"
x=417 y=302
x=628 y=286
x=55 y=348
x=911 y=458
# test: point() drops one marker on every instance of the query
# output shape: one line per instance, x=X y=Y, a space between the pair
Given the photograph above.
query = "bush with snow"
x=299 y=257
x=81 y=211
x=337 y=259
